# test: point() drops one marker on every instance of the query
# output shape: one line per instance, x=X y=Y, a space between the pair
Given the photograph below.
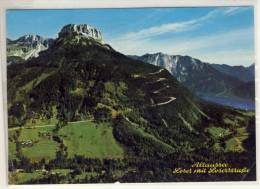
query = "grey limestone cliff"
x=83 y=29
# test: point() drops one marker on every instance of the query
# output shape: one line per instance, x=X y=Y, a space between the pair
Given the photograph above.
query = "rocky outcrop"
x=26 y=47
x=81 y=29
x=33 y=41
x=29 y=46
x=200 y=77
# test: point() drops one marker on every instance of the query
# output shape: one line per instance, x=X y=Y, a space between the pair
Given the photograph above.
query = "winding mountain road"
x=39 y=126
x=161 y=79
x=161 y=89
x=167 y=102
x=156 y=72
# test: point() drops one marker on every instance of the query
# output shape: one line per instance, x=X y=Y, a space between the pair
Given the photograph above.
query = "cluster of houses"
x=44 y=134
x=27 y=142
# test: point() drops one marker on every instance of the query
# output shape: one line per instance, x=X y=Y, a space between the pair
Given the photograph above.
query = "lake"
x=235 y=103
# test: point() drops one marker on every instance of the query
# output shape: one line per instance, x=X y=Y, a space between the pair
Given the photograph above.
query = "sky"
x=222 y=35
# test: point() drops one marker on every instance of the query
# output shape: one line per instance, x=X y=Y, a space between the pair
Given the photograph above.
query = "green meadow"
x=41 y=144
x=86 y=138
x=89 y=139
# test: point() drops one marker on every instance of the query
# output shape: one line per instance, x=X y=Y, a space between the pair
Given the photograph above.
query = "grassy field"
x=12 y=151
x=218 y=132
x=247 y=113
x=82 y=176
x=82 y=138
x=234 y=144
x=20 y=178
x=43 y=149
x=42 y=145
x=33 y=133
x=90 y=140
x=63 y=172
x=25 y=177
x=229 y=121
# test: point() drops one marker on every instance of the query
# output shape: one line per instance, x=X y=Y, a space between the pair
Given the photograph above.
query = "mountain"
x=8 y=40
x=245 y=91
x=245 y=74
x=83 y=30
x=80 y=92
x=201 y=78
x=32 y=41
x=29 y=46
x=87 y=76
x=26 y=47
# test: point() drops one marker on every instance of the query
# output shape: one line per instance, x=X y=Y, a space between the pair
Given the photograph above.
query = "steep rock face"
x=177 y=65
x=83 y=29
x=32 y=40
x=201 y=78
x=163 y=60
x=29 y=46
x=26 y=47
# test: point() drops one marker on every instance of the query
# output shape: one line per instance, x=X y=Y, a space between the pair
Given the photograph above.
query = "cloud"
x=229 y=40
x=206 y=48
x=178 y=26
x=158 y=30
x=234 y=10
x=166 y=28
x=237 y=45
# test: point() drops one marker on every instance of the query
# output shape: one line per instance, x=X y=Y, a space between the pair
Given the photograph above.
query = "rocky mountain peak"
x=30 y=39
x=83 y=30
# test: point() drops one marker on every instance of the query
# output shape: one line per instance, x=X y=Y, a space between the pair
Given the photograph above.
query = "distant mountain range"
x=206 y=79
x=26 y=47
x=29 y=46
x=246 y=74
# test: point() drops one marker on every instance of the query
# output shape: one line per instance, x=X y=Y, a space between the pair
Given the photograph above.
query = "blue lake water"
x=235 y=103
